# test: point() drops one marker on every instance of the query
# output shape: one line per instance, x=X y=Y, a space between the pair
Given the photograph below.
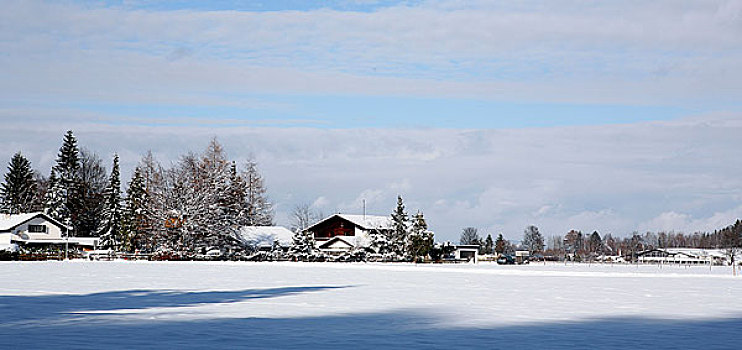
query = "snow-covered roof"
x=11 y=221
x=366 y=222
x=699 y=253
x=369 y=222
x=86 y=241
x=351 y=241
x=266 y=235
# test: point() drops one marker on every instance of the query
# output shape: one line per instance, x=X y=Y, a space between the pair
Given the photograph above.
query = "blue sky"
x=349 y=64
x=277 y=5
x=522 y=94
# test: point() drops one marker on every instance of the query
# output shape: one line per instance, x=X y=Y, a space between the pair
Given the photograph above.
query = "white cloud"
x=320 y=203
x=679 y=222
x=613 y=179
x=610 y=52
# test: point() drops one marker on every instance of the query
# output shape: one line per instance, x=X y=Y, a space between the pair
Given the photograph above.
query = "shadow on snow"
x=19 y=308
x=399 y=329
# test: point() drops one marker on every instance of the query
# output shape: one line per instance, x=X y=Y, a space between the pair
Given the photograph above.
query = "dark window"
x=37 y=228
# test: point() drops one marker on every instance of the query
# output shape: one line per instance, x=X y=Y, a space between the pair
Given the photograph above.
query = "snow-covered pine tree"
x=67 y=168
x=420 y=240
x=19 y=189
x=136 y=215
x=382 y=242
x=111 y=218
x=54 y=199
x=258 y=209
x=400 y=229
x=302 y=246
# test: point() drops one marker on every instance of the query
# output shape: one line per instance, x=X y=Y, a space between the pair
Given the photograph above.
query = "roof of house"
x=11 y=221
x=350 y=241
x=700 y=253
x=266 y=235
x=366 y=222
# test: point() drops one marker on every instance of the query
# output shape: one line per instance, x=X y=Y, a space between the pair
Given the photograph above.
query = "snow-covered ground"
x=104 y=305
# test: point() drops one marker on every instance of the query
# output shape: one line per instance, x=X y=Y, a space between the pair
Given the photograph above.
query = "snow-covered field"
x=175 y=305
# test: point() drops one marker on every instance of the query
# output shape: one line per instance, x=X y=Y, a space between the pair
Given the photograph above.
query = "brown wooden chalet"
x=343 y=232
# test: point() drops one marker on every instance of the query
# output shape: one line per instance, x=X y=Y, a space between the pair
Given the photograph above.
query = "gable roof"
x=10 y=221
x=266 y=235
x=366 y=222
x=350 y=241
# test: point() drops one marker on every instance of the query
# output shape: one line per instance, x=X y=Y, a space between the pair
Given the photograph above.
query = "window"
x=37 y=228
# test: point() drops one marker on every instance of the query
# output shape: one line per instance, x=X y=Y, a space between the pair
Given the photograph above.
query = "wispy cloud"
x=619 y=178
x=667 y=52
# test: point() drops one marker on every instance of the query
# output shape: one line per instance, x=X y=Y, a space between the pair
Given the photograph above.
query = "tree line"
x=575 y=245
x=194 y=206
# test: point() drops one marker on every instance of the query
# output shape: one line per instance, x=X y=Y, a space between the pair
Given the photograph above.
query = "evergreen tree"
x=302 y=246
x=489 y=245
x=19 y=189
x=54 y=199
x=68 y=176
x=420 y=240
x=399 y=228
x=500 y=244
x=258 y=209
x=110 y=231
x=595 y=243
x=137 y=215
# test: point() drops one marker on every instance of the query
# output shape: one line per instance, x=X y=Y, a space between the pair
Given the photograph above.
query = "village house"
x=39 y=230
x=341 y=233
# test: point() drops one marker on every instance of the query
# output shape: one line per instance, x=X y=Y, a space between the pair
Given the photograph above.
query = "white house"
x=38 y=229
x=263 y=237
x=685 y=256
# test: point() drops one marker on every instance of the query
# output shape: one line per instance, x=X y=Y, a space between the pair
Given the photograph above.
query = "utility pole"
x=67 y=238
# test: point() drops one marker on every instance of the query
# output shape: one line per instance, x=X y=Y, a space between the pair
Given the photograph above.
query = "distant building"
x=466 y=252
x=684 y=256
x=38 y=230
x=522 y=256
x=340 y=233
x=264 y=237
